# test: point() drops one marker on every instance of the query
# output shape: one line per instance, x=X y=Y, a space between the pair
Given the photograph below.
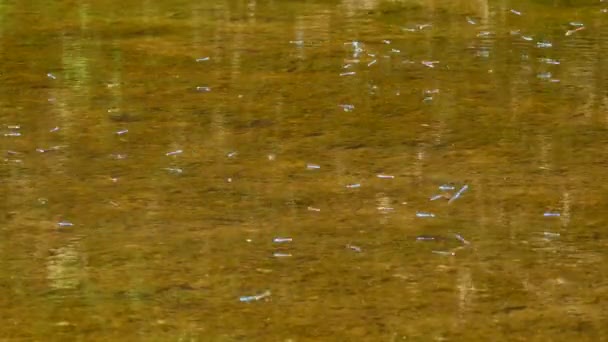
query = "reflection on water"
x=303 y=171
x=64 y=267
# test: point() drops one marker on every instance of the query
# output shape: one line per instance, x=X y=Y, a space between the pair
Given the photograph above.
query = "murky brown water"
x=153 y=150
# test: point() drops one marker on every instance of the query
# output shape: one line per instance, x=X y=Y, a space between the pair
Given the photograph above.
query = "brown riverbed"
x=153 y=151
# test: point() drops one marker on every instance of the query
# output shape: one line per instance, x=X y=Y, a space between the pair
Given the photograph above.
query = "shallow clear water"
x=153 y=151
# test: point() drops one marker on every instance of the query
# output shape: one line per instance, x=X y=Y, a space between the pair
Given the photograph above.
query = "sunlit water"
x=262 y=171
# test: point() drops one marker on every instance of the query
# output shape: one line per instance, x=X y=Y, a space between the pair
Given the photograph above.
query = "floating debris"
x=50 y=149
x=445 y=253
x=203 y=59
x=484 y=33
x=382 y=176
x=527 y=38
x=429 y=64
x=173 y=153
x=386 y=41
x=458 y=194
x=203 y=89
x=576 y=24
x=118 y=156
x=436 y=197
x=347 y=107
x=385 y=208
x=65 y=224
x=424 y=214
x=426 y=238
x=313 y=166
x=551 y=235
x=544 y=44
x=544 y=75
x=121 y=132
x=296 y=42
x=173 y=169
x=461 y=239
x=418 y=27
x=51 y=76
x=372 y=63
x=256 y=297
x=54 y=129
x=12 y=134
x=355 y=44
x=349 y=73
x=354 y=248
x=471 y=21
x=571 y=32
x=549 y=61
x=313 y=209
x=483 y=53
x=515 y=12
x=232 y=154
x=282 y=239
x=352 y=186
x=281 y=255
x=446 y=187
x=551 y=214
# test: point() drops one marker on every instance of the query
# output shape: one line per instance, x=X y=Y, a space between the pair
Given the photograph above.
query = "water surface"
x=153 y=151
